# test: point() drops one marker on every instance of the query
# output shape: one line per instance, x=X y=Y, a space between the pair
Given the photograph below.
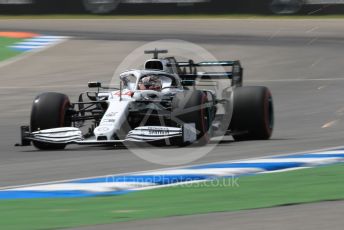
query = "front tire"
x=191 y=107
x=49 y=110
x=253 y=114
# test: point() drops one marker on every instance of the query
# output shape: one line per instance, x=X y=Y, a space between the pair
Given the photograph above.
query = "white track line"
x=284 y=170
x=154 y=170
x=293 y=160
x=204 y=172
x=87 y=187
x=112 y=186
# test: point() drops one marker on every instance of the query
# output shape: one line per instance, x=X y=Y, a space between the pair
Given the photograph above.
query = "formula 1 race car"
x=166 y=102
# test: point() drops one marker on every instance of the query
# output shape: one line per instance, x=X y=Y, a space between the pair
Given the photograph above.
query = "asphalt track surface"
x=301 y=61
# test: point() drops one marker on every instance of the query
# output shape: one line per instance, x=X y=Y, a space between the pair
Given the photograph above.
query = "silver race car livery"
x=166 y=102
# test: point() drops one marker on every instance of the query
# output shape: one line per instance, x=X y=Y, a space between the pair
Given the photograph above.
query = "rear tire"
x=49 y=111
x=190 y=107
x=253 y=114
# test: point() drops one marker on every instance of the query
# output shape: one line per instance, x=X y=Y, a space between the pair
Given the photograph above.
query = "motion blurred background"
x=142 y=7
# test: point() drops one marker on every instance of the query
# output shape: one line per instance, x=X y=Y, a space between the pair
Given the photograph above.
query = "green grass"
x=260 y=191
x=5 y=51
x=170 y=16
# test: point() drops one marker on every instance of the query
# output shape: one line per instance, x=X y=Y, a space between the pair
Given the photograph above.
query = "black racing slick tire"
x=191 y=107
x=49 y=110
x=253 y=113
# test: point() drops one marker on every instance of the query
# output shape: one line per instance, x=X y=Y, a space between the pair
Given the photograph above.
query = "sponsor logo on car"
x=158 y=131
x=112 y=114
x=103 y=129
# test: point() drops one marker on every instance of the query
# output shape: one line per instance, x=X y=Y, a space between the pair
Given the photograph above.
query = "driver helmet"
x=150 y=83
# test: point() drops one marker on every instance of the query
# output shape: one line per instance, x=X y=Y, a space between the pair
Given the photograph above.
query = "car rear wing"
x=191 y=75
